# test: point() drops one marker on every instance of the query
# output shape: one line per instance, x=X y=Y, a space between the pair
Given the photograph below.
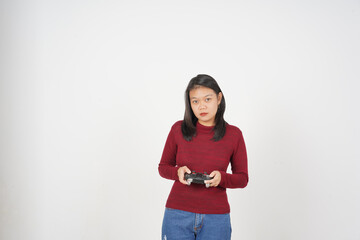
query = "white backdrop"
x=90 y=89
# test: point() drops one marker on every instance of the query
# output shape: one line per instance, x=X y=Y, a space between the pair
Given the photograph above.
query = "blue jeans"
x=182 y=225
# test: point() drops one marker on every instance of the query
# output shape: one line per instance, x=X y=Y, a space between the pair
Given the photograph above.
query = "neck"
x=212 y=124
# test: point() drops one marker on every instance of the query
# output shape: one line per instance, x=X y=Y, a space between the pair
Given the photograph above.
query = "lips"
x=203 y=114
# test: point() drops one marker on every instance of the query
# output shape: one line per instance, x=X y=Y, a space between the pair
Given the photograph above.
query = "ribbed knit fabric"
x=202 y=154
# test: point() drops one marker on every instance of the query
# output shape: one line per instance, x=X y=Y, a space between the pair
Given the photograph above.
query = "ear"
x=219 y=97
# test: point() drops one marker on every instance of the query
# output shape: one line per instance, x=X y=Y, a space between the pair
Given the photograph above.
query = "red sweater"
x=204 y=155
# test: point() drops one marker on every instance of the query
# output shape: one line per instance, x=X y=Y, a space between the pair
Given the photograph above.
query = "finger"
x=209 y=182
x=182 y=176
x=214 y=173
x=187 y=169
x=183 y=181
x=213 y=183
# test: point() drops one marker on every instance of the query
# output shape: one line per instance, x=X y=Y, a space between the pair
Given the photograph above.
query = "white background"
x=90 y=89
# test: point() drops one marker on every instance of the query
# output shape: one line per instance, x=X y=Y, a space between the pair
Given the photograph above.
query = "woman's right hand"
x=181 y=172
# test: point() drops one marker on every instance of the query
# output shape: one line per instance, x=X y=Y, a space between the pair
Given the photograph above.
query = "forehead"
x=201 y=91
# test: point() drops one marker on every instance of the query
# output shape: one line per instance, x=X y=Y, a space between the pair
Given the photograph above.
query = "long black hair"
x=188 y=126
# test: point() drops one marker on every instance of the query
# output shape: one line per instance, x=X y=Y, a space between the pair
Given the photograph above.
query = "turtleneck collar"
x=203 y=128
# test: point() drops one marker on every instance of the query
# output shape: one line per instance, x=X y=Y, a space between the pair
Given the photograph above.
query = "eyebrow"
x=205 y=96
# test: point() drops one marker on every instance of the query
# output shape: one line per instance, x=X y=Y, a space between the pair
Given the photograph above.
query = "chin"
x=205 y=120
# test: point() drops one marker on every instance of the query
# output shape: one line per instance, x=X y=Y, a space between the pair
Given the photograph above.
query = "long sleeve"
x=239 y=167
x=167 y=166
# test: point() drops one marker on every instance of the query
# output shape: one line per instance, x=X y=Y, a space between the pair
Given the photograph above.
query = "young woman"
x=202 y=142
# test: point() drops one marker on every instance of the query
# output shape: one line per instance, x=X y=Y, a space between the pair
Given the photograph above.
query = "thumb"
x=187 y=169
x=212 y=174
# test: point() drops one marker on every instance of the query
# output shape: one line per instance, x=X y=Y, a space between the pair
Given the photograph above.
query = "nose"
x=202 y=105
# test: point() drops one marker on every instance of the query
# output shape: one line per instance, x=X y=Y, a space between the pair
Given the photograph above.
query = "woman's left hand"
x=216 y=180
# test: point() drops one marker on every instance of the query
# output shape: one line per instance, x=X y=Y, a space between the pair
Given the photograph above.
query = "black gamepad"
x=198 y=178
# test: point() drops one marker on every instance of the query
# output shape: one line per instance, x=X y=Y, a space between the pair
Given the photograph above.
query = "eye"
x=207 y=99
x=195 y=101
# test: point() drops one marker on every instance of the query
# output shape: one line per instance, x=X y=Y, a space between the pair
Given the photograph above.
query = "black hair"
x=188 y=126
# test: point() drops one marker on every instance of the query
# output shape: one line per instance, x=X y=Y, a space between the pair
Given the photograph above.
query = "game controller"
x=198 y=178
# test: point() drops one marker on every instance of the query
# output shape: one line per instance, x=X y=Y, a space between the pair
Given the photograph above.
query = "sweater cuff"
x=223 y=179
x=175 y=173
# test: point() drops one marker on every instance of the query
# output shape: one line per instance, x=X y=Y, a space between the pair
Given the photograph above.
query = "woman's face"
x=204 y=103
